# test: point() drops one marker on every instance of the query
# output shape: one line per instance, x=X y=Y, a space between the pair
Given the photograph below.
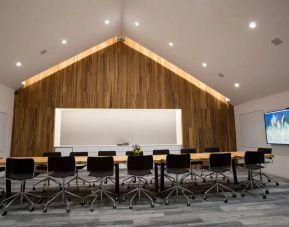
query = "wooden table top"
x=123 y=158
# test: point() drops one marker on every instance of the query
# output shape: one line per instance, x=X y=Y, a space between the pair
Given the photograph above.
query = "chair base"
x=20 y=195
x=76 y=179
x=193 y=177
x=220 y=187
x=65 y=197
x=133 y=180
x=46 y=179
x=170 y=178
x=137 y=193
x=269 y=179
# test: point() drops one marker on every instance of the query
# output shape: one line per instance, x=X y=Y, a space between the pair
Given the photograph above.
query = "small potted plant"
x=136 y=149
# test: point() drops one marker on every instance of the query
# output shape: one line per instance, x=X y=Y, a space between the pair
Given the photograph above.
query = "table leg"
x=156 y=176
x=162 y=177
x=234 y=171
x=8 y=188
x=116 y=168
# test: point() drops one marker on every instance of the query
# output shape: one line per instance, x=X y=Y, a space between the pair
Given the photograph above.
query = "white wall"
x=6 y=106
x=280 y=166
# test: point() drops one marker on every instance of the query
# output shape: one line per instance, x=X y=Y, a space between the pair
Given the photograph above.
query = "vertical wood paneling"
x=118 y=77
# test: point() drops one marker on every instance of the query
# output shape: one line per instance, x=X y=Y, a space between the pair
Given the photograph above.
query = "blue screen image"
x=277 y=127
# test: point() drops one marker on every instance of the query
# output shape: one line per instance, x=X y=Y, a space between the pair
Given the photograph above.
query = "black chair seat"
x=177 y=170
x=62 y=174
x=21 y=176
x=101 y=174
x=142 y=172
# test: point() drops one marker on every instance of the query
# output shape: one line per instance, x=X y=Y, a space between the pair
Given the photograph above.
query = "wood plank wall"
x=118 y=77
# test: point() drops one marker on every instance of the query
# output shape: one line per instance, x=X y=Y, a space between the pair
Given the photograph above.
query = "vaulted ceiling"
x=211 y=31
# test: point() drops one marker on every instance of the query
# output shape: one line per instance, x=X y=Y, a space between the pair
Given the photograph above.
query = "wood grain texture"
x=118 y=77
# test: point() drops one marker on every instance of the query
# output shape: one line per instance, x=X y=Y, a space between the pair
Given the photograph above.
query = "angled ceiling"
x=215 y=32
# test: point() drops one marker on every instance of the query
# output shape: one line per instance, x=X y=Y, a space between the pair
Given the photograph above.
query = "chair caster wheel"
x=83 y=183
x=167 y=202
x=40 y=201
x=269 y=180
x=211 y=177
x=204 y=181
x=225 y=200
x=181 y=182
x=234 y=195
x=33 y=188
x=143 y=186
x=67 y=209
x=91 y=209
x=267 y=192
x=89 y=185
x=188 y=204
x=130 y=206
x=228 y=181
x=146 y=183
x=205 y=197
x=31 y=209
x=82 y=202
x=277 y=184
x=4 y=213
x=243 y=195
x=114 y=206
x=44 y=209
x=152 y=205
x=122 y=184
x=193 y=197
x=264 y=196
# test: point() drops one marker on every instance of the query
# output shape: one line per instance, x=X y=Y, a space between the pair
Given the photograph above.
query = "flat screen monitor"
x=277 y=127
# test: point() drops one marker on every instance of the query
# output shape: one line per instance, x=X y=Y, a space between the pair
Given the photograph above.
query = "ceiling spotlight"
x=204 y=64
x=106 y=22
x=64 y=41
x=236 y=84
x=171 y=44
x=23 y=83
x=252 y=25
x=136 y=23
x=18 y=64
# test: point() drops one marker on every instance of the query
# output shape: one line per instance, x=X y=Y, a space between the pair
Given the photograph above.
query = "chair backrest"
x=159 y=152
x=106 y=153
x=61 y=164
x=19 y=166
x=265 y=150
x=211 y=149
x=129 y=153
x=51 y=154
x=81 y=153
x=220 y=160
x=254 y=157
x=144 y=162
x=178 y=161
x=97 y=164
x=188 y=151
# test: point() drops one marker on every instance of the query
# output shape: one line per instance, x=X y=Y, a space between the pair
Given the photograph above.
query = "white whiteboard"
x=252 y=128
x=3 y=124
x=117 y=126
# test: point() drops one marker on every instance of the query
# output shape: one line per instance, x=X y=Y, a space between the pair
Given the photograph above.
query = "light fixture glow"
x=18 y=64
x=64 y=41
x=252 y=25
x=136 y=23
x=106 y=22
x=171 y=44
x=204 y=64
x=236 y=84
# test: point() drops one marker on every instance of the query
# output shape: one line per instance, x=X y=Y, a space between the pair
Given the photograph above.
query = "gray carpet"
x=251 y=210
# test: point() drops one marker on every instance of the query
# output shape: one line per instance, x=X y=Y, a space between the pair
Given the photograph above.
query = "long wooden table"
x=159 y=160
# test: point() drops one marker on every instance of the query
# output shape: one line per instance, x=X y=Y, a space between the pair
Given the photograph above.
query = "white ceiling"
x=212 y=31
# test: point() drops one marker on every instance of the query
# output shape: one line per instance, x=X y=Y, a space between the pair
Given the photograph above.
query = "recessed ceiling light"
x=64 y=41
x=236 y=84
x=252 y=25
x=204 y=64
x=136 y=23
x=18 y=64
x=106 y=22
x=23 y=83
x=171 y=44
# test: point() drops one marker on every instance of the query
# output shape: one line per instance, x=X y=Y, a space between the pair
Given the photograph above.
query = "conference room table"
x=159 y=160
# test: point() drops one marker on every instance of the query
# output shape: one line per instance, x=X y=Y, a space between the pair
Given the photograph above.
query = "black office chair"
x=101 y=168
x=178 y=164
x=106 y=153
x=267 y=161
x=44 y=168
x=163 y=152
x=2 y=169
x=218 y=164
x=19 y=170
x=193 y=163
x=78 y=168
x=61 y=168
x=139 y=166
x=253 y=162
x=133 y=178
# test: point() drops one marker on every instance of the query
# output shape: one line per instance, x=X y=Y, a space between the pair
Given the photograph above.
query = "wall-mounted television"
x=277 y=127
